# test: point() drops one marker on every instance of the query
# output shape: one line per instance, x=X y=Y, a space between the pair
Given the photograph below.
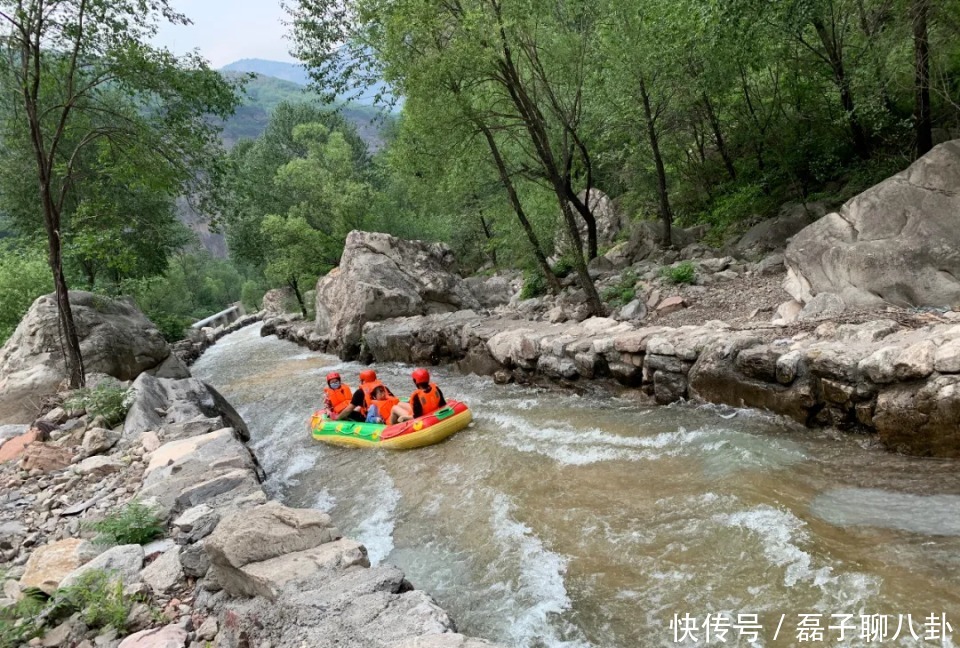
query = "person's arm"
x=443 y=401
x=417 y=407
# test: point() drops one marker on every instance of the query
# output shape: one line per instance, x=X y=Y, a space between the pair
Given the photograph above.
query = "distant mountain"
x=293 y=72
x=264 y=93
x=297 y=73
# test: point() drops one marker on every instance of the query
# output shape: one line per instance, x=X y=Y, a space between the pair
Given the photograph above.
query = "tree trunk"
x=666 y=215
x=718 y=137
x=583 y=208
x=921 y=56
x=70 y=341
x=861 y=142
x=296 y=291
x=552 y=283
x=489 y=234
x=586 y=282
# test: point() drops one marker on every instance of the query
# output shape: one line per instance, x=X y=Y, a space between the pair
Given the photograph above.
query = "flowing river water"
x=566 y=520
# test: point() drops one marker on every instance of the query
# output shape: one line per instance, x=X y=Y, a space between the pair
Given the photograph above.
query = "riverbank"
x=897 y=378
x=230 y=567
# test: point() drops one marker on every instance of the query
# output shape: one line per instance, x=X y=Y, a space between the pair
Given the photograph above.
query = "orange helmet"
x=421 y=376
x=368 y=375
x=333 y=376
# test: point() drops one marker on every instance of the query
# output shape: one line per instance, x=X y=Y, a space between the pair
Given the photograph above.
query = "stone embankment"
x=197 y=342
x=880 y=376
x=233 y=569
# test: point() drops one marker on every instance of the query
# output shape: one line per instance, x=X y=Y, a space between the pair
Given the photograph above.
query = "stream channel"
x=565 y=520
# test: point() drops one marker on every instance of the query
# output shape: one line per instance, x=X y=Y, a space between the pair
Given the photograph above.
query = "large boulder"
x=115 y=339
x=897 y=242
x=774 y=233
x=382 y=277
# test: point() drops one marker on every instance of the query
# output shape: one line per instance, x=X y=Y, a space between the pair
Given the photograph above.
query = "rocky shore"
x=221 y=565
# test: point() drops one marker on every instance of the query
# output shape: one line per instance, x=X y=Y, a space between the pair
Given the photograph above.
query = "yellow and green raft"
x=419 y=432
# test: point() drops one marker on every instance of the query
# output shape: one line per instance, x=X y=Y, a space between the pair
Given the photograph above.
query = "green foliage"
x=19 y=623
x=534 y=285
x=251 y=294
x=133 y=524
x=195 y=285
x=730 y=212
x=24 y=276
x=98 y=597
x=682 y=273
x=106 y=400
x=563 y=266
x=624 y=291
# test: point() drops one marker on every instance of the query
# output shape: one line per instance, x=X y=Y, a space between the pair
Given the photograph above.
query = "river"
x=559 y=519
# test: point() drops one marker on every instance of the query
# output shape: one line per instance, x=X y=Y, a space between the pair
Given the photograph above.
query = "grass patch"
x=623 y=292
x=534 y=285
x=109 y=401
x=98 y=597
x=682 y=273
x=133 y=524
x=18 y=623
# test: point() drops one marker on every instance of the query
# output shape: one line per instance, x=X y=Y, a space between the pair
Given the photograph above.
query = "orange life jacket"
x=385 y=406
x=429 y=401
x=368 y=388
x=339 y=398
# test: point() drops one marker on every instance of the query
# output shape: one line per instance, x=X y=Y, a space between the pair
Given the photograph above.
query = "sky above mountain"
x=227 y=30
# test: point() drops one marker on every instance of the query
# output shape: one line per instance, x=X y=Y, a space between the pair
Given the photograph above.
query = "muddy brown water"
x=565 y=520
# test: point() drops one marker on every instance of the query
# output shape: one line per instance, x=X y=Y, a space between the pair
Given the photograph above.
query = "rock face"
x=609 y=220
x=898 y=242
x=382 y=277
x=774 y=233
x=115 y=339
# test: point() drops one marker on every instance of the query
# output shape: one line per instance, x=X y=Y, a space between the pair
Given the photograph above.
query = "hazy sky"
x=227 y=30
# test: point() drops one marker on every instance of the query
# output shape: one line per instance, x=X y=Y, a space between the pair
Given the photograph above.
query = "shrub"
x=534 y=285
x=133 y=524
x=24 y=276
x=106 y=400
x=98 y=597
x=563 y=266
x=251 y=294
x=19 y=623
x=622 y=292
x=682 y=273
x=172 y=327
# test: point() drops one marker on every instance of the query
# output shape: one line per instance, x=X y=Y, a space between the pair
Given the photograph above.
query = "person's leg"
x=401 y=412
x=356 y=416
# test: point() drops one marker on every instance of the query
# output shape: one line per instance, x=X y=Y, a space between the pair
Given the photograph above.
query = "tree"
x=291 y=251
x=85 y=77
x=513 y=71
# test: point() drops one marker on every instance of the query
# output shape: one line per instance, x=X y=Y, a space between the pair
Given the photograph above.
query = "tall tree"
x=66 y=61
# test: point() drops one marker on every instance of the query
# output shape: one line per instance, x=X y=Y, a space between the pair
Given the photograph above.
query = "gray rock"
x=194 y=560
x=895 y=242
x=115 y=339
x=770 y=265
x=98 y=440
x=822 y=306
x=99 y=466
x=196 y=523
x=124 y=561
x=164 y=573
x=395 y=278
x=774 y=233
x=635 y=310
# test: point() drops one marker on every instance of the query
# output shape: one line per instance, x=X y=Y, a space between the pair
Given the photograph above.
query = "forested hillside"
x=263 y=93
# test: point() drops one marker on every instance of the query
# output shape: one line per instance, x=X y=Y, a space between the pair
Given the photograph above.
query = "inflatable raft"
x=416 y=433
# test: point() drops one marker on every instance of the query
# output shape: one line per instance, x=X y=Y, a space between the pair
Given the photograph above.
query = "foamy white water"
x=561 y=520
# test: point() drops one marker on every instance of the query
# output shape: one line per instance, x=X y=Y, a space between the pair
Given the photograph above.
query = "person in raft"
x=425 y=400
x=359 y=407
x=381 y=405
x=338 y=399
